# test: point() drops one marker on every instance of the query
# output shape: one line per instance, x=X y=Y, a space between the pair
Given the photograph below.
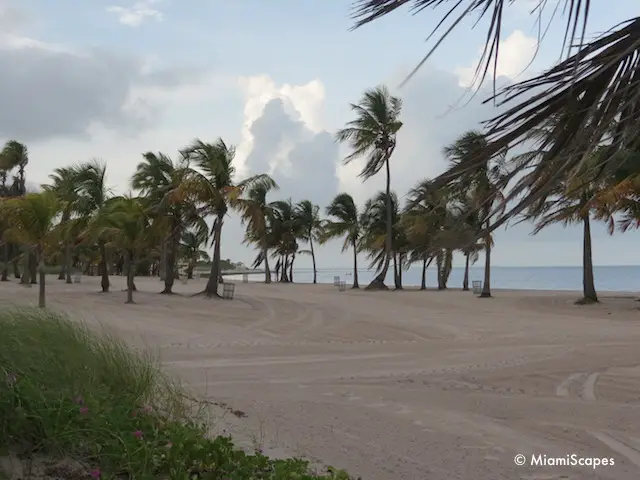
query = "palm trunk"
x=465 y=281
x=163 y=260
x=170 y=252
x=588 y=284
x=486 y=285
x=285 y=268
x=104 y=282
x=378 y=282
x=16 y=267
x=33 y=268
x=41 y=290
x=67 y=262
x=423 y=280
x=313 y=259
x=397 y=276
x=5 y=263
x=26 y=272
x=212 y=284
x=293 y=258
x=267 y=272
x=190 y=268
x=131 y=269
x=62 y=274
x=355 y=266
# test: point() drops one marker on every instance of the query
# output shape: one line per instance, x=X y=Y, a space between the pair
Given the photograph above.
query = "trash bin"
x=336 y=281
x=476 y=286
x=77 y=278
x=228 y=290
x=342 y=286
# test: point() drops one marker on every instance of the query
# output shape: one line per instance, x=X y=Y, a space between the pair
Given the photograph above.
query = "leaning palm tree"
x=310 y=224
x=211 y=179
x=31 y=221
x=372 y=135
x=160 y=180
x=65 y=186
x=586 y=93
x=483 y=181
x=255 y=213
x=191 y=247
x=125 y=222
x=94 y=195
x=345 y=222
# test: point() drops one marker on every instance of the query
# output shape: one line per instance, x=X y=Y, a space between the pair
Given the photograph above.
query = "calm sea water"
x=609 y=278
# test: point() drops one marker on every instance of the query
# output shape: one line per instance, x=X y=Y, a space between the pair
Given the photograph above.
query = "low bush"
x=68 y=393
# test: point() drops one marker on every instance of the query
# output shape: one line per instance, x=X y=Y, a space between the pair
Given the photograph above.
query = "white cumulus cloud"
x=136 y=14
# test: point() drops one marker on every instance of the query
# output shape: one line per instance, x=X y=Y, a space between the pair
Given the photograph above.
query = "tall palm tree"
x=64 y=185
x=310 y=225
x=483 y=181
x=191 y=247
x=212 y=180
x=161 y=180
x=345 y=222
x=125 y=222
x=255 y=213
x=587 y=92
x=372 y=135
x=285 y=231
x=94 y=196
x=31 y=221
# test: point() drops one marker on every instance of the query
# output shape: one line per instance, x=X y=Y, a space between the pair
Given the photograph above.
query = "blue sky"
x=276 y=79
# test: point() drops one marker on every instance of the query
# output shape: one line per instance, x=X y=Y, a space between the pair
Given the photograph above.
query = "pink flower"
x=84 y=410
x=137 y=434
x=169 y=445
x=147 y=409
x=95 y=473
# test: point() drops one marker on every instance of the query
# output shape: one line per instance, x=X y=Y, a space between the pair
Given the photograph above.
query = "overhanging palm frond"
x=366 y=11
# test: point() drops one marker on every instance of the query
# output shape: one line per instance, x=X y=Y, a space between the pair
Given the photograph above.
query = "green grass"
x=66 y=392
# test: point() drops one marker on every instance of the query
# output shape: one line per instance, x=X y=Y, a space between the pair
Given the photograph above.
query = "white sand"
x=396 y=385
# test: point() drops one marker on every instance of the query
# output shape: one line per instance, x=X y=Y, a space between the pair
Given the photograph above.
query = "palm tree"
x=587 y=92
x=285 y=231
x=347 y=224
x=213 y=184
x=31 y=221
x=191 y=248
x=372 y=135
x=93 y=197
x=483 y=181
x=65 y=187
x=256 y=213
x=126 y=223
x=308 y=216
x=161 y=181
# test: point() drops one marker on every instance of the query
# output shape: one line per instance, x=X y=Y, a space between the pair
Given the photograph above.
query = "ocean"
x=607 y=278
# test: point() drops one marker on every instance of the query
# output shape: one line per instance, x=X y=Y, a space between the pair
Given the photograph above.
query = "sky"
x=113 y=79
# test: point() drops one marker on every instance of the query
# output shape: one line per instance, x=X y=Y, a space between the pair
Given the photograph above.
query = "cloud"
x=137 y=13
x=516 y=53
x=50 y=91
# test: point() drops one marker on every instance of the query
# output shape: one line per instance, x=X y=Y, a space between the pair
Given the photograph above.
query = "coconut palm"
x=310 y=225
x=255 y=213
x=93 y=197
x=345 y=222
x=191 y=247
x=125 y=222
x=372 y=136
x=285 y=232
x=483 y=181
x=64 y=185
x=211 y=179
x=31 y=220
x=160 y=180
x=586 y=93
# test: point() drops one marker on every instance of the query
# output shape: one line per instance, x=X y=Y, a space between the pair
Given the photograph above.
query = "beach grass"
x=68 y=394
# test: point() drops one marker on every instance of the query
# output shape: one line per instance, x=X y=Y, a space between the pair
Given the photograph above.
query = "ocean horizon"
x=622 y=278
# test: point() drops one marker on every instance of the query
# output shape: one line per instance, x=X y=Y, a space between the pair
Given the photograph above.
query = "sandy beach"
x=395 y=385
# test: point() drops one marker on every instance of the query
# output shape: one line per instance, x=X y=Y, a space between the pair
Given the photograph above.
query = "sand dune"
x=396 y=385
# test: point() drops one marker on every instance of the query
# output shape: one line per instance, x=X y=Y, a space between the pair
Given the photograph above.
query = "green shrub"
x=67 y=392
